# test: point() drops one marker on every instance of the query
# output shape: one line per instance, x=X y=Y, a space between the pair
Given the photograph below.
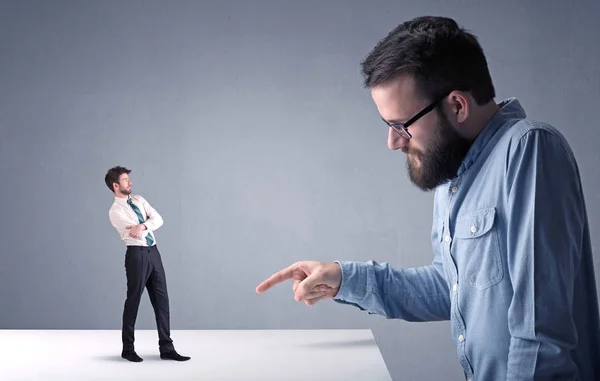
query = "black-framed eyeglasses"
x=402 y=128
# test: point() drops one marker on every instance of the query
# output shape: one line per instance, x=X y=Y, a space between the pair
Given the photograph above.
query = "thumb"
x=306 y=286
x=128 y=227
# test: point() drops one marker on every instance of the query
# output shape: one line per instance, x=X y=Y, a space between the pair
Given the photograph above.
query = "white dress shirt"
x=121 y=215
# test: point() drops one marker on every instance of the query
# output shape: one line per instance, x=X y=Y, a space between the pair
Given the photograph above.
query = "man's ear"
x=459 y=105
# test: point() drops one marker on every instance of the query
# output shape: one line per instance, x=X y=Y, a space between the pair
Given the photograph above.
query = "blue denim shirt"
x=512 y=261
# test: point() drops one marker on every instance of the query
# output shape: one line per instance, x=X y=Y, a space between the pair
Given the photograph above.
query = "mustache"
x=411 y=151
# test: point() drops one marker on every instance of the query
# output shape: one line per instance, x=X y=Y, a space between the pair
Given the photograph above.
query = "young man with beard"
x=136 y=221
x=512 y=259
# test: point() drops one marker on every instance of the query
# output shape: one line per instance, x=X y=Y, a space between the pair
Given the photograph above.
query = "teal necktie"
x=149 y=239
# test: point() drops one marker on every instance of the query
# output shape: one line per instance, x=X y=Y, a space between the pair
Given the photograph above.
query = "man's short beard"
x=441 y=160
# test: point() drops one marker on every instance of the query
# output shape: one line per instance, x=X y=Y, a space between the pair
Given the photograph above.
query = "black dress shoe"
x=131 y=356
x=172 y=355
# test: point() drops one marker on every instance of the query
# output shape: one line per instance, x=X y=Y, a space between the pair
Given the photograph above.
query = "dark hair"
x=437 y=53
x=112 y=176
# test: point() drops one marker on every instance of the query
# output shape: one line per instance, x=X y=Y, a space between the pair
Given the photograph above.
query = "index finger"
x=278 y=277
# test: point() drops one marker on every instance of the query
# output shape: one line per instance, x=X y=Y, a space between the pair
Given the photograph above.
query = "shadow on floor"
x=345 y=343
x=117 y=358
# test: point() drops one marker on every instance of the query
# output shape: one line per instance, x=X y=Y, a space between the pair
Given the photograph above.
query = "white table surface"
x=216 y=355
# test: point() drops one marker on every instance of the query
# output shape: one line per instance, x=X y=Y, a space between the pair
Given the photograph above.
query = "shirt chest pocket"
x=476 y=248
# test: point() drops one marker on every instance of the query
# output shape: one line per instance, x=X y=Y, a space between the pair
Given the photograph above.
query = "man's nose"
x=395 y=141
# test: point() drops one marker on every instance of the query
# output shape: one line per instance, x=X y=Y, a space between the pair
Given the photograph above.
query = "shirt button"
x=454 y=189
x=447 y=238
x=473 y=229
x=454 y=287
x=461 y=338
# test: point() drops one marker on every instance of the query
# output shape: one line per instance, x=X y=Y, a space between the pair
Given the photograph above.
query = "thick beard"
x=441 y=161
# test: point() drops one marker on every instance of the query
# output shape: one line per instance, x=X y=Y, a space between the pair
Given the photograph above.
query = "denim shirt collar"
x=509 y=109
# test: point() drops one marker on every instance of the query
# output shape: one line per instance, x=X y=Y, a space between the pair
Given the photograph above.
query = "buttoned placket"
x=456 y=317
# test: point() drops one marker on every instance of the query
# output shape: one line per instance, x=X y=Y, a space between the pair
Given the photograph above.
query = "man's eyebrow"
x=395 y=121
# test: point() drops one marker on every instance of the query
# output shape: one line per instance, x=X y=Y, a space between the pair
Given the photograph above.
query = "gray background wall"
x=247 y=127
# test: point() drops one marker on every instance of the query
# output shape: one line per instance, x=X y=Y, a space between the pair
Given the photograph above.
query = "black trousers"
x=144 y=269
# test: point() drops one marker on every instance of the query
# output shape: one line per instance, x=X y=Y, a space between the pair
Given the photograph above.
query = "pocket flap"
x=475 y=224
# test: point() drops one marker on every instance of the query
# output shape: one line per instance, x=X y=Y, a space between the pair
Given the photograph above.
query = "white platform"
x=216 y=355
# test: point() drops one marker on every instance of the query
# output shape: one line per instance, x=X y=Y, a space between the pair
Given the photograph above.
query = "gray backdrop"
x=247 y=127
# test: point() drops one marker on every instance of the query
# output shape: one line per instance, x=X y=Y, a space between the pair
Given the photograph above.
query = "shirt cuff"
x=354 y=282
